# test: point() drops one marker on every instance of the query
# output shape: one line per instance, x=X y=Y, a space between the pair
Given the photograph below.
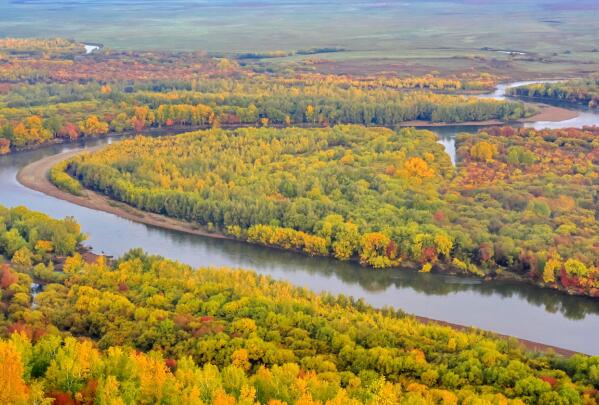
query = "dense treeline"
x=49 y=94
x=582 y=91
x=465 y=81
x=62 y=61
x=147 y=330
x=42 y=113
x=38 y=114
x=520 y=200
x=185 y=90
x=39 y=48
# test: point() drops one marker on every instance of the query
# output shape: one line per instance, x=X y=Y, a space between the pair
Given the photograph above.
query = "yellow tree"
x=4 y=146
x=31 y=131
x=72 y=366
x=310 y=116
x=22 y=257
x=417 y=167
x=93 y=126
x=153 y=377
x=73 y=264
x=375 y=250
x=483 y=151
x=443 y=243
x=240 y=358
x=13 y=389
x=551 y=266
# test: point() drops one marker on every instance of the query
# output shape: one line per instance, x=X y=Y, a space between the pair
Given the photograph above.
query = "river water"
x=447 y=134
x=520 y=310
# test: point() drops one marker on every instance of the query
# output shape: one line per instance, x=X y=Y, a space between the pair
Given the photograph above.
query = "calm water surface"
x=520 y=310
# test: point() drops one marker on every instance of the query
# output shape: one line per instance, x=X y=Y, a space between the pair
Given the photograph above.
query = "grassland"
x=556 y=37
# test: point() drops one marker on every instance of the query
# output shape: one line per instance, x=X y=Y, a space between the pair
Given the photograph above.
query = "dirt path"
x=34 y=176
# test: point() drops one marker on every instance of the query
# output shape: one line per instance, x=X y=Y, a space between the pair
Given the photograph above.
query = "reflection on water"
x=448 y=141
x=510 y=308
x=90 y=48
x=447 y=137
x=586 y=117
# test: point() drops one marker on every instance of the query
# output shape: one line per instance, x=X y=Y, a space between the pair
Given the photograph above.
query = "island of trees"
x=141 y=329
x=521 y=203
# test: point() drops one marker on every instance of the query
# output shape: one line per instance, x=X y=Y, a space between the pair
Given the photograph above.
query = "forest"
x=82 y=329
x=580 y=91
x=520 y=204
x=49 y=92
x=305 y=149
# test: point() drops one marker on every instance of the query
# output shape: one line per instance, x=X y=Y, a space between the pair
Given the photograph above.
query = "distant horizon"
x=241 y=27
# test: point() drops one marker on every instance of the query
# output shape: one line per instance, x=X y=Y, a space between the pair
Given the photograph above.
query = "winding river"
x=519 y=310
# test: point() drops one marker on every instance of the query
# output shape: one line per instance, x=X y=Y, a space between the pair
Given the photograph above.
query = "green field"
x=557 y=36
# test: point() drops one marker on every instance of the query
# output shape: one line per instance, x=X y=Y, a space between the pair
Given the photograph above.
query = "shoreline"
x=551 y=113
x=34 y=176
x=151 y=131
x=528 y=344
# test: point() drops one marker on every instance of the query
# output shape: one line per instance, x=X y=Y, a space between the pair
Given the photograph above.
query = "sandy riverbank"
x=551 y=113
x=34 y=176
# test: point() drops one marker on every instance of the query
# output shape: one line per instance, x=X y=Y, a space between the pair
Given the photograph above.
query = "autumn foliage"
x=581 y=91
x=52 y=91
x=514 y=202
x=178 y=335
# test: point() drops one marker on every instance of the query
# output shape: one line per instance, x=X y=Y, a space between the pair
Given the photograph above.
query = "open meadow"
x=548 y=37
